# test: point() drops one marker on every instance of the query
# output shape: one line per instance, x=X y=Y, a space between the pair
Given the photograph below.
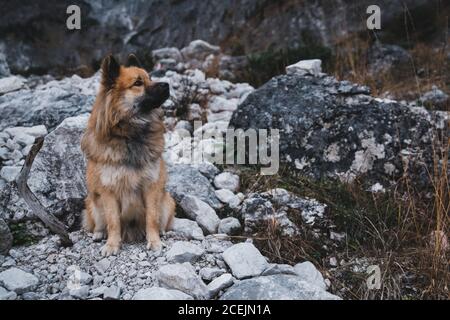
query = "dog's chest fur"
x=123 y=177
x=129 y=184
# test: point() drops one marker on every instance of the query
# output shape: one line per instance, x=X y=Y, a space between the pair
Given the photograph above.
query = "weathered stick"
x=30 y=198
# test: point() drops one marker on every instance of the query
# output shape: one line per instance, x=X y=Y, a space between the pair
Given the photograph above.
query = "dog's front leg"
x=152 y=220
x=112 y=217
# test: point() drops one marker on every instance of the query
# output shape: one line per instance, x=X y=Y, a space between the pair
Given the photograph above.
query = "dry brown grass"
x=404 y=231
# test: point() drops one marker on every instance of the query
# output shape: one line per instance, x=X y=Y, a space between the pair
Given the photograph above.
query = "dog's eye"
x=138 y=83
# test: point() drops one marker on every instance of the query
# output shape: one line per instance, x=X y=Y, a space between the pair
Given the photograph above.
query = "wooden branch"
x=30 y=198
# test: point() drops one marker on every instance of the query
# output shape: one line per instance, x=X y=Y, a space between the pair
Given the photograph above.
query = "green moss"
x=21 y=235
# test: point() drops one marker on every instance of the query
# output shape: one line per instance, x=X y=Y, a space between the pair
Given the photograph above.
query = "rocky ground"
x=343 y=133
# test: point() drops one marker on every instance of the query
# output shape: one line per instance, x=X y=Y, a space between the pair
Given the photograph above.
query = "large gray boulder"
x=57 y=176
x=336 y=129
x=276 y=287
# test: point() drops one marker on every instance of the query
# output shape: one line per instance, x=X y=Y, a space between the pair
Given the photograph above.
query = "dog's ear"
x=110 y=71
x=133 y=61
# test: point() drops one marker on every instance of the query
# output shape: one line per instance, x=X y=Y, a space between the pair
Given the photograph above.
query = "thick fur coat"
x=123 y=144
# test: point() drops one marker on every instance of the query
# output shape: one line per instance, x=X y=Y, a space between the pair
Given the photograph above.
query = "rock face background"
x=124 y=26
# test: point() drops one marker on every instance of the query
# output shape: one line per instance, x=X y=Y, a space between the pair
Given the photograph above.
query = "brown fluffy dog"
x=123 y=143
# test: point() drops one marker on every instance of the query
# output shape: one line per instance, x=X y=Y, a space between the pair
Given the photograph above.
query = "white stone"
x=218 y=104
x=240 y=90
x=167 y=53
x=183 y=125
x=7 y=295
x=9 y=173
x=24 y=139
x=209 y=273
x=207 y=169
x=196 y=76
x=308 y=272
x=199 y=49
x=220 y=283
x=337 y=236
x=4 y=153
x=201 y=212
x=227 y=180
x=313 y=67
x=245 y=260
x=80 y=292
x=18 y=280
x=16 y=156
x=11 y=83
x=97 y=292
x=36 y=131
x=11 y=145
x=187 y=228
x=103 y=265
x=228 y=197
x=276 y=287
x=182 y=277
x=377 y=187
x=333 y=262
x=217 y=86
x=111 y=293
x=26 y=150
x=183 y=251
x=84 y=277
x=229 y=225
x=157 y=293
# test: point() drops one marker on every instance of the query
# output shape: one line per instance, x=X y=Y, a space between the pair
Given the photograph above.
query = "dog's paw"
x=98 y=236
x=155 y=245
x=109 y=249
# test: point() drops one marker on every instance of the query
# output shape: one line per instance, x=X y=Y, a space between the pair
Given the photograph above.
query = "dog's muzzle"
x=155 y=96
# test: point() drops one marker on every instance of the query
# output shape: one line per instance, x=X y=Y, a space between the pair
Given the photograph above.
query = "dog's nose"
x=159 y=88
x=163 y=86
